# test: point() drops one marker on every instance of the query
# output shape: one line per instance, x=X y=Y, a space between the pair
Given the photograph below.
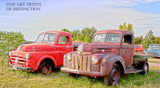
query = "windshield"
x=155 y=46
x=110 y=38
x=47 y=37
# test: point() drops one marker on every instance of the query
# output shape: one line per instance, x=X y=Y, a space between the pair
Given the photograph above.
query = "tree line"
x=11 y=40
x=85 y=35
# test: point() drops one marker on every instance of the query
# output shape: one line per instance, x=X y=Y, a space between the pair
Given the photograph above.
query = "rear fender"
x=43 y=58
x=108 y=61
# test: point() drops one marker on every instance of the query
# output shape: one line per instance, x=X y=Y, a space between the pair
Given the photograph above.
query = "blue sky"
x=77 y=14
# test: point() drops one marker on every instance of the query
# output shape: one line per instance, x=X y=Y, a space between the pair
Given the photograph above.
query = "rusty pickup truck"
x=110 y=55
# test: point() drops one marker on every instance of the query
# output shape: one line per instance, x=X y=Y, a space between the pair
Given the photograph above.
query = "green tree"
x=81 y=37
x=87 y=39
x=85 y=35
x=138 y=40
x=157 y=40
x=10 y=41
x=64 y=29
x=89 y=32
x=149 y=39
x=123 y=26
x=75 y=35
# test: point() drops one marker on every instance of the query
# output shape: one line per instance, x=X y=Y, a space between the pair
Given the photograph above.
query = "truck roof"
x=57 y=32
x=115 y=31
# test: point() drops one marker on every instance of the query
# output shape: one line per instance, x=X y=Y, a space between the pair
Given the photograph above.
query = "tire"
x=145 y=69
x=114 y=76
x=45 y=68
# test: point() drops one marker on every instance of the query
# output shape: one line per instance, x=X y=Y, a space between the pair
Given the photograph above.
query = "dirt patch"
x=154 y=64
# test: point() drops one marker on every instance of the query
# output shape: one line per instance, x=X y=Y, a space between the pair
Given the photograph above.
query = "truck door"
x=64 y=46
x=127 y=50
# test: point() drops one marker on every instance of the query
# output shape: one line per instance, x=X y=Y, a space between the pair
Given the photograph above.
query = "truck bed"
x=142 y=55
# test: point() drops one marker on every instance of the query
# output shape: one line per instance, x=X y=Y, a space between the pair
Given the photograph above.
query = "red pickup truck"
x=138 y=48
x=45 y=54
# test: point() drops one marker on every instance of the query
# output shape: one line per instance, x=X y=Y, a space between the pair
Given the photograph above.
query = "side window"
x=127 y=40
x=63 y=40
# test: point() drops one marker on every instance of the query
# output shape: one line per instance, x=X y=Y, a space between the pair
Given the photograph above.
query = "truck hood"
x=36 y=47
x=97 y=47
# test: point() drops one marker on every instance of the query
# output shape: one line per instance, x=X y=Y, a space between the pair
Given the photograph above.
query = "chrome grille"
x=17 y=60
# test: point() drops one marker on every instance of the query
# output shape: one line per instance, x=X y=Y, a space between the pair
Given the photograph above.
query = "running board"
x=132 y=70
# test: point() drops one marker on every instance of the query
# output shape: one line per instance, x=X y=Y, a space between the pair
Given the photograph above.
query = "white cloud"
x=124 y=3
x=101 y=15
x=146 y=1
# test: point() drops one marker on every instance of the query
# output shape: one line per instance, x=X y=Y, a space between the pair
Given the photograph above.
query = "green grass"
x=10 y=78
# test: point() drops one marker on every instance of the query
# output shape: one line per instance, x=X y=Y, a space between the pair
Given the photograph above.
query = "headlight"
x=10 y=53
x=69 y=57
x=27 y=56
x=27 y=64
x=65 y=56
x=94 y=60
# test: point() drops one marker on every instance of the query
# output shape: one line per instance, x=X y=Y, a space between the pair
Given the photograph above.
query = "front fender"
x=108 y=61
x=43 y=58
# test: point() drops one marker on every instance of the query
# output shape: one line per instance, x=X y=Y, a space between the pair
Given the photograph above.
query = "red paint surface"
x=41 y=51
x=138 y=48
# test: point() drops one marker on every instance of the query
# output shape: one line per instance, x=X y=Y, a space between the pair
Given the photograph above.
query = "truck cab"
x=110 y=55
x=43 y=55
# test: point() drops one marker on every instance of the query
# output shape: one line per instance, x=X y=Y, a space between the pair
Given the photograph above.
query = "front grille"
x=81 y=63
x=17 y=60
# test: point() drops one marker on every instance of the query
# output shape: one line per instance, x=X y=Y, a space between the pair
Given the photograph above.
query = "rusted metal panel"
x=76 y=62
x=88 y=63
x=73 y=62
x=84 y=63
x=87 y=73
x=81 y=62
x=107 y=55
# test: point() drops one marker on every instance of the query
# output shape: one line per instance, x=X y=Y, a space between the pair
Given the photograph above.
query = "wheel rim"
x=115 y=75
x=145 y=69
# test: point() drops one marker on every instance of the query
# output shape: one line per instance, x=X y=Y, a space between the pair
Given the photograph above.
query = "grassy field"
x=10 y=78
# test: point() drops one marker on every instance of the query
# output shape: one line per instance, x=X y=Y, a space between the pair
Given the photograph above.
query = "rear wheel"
x=145 y=69
x=114 y=76
x=45 y=68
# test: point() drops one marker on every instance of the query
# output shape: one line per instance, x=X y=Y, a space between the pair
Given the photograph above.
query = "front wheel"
x=45 y=68
x=114 y=76
x=145 y=69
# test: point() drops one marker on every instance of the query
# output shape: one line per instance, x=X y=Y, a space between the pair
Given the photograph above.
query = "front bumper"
x=80 y=72
x=20 y=67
